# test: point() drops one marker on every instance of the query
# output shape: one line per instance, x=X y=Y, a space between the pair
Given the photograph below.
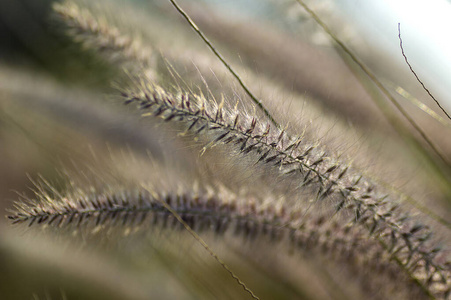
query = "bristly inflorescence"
x=407 y=242
x=220 y=214
x=102 y=37
x=369 y=231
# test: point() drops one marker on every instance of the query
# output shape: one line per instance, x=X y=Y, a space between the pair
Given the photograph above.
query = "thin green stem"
x=205 y=245
x=224 y=62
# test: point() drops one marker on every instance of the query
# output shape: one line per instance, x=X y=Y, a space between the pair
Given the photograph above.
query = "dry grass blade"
x=402 y=92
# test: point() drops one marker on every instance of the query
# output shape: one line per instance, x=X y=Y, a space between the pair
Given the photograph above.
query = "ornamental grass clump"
x=305 y=217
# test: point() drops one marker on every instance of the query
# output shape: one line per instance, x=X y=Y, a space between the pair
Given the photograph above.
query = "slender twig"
x=206 y=247
x=391 y=117
x=415 y=74
x=221 y=58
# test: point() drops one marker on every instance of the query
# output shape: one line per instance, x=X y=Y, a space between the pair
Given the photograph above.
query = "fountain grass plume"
x=408 y=241
x=224 y=215
x=103 y=38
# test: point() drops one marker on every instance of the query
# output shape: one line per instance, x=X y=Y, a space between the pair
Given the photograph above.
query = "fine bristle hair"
x=104 y=39
x=310 y=166
x=220 y=213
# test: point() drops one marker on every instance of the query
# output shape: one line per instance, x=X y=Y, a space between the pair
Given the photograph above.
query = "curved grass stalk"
x=108 y=41
x=220 y=214
x=326 y=177
x=205 y=68
x=310 y=166
x=378 y=222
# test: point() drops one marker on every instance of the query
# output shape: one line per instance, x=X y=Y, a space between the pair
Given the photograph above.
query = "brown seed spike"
x=280 y=136
x=252 y=127
x=236 y=121
x=269 y=159
x=201 y=128
x=249 y=149
x=221 y=136
x=264 y=156
x=331 y=169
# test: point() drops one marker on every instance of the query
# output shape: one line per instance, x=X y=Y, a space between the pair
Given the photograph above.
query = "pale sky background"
x=426 y=34
x=425 y=27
